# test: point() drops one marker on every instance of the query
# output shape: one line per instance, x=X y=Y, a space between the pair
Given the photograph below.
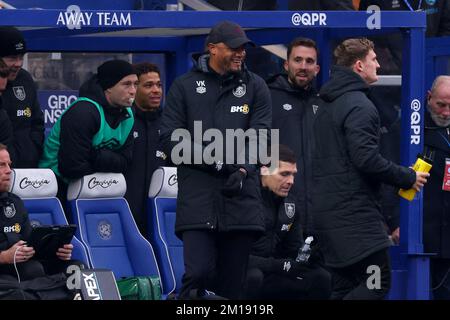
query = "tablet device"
x=46 y=239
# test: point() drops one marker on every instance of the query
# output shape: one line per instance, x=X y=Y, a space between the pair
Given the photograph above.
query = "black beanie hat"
x=11 y=42
x=112 y=71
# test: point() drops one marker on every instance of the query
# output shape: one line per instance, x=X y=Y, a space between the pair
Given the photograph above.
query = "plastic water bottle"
x=305 y=251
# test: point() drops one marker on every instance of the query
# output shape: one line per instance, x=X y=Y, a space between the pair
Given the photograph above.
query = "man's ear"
x=317 y=70
x=358 y=66
x=428 y=96
x=211 y=48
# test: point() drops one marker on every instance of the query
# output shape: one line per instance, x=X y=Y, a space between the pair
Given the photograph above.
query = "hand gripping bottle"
x=423 y=164
x=305 y=251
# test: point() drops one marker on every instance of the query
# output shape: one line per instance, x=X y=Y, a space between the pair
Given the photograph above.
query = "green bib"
x=106 y=137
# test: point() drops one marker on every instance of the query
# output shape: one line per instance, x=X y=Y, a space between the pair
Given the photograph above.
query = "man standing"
x=436 y=207
x=147 y=156
x=273 y=271
x=93 y=134
x=219 y=203
x=21 y=103
x=347 y=172
x=293 y=109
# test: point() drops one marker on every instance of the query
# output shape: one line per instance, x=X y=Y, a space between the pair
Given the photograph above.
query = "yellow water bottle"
x=422 y=164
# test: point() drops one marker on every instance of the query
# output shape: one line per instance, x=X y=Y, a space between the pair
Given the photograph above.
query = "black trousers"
x=37 y=268
x=440 y=278
x=312 y=283
x=215 y=261
x=62 y=196
x=355 y=281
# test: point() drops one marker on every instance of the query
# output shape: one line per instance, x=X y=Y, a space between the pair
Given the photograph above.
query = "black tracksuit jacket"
x=436 y=207
x=283 y=236
x=232 y=101
x=14 y=222
x=79 y=124
x=20 y=101
x=147 y=157
x=348 y=171
x=293 y=112
x=6 y=133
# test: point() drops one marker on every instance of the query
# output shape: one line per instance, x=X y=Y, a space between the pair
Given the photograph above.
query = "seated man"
x=15 y=231
x=273 y=272
x=93 y=134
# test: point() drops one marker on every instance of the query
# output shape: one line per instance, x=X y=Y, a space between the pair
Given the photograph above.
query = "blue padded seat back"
x=112 y=238
x=162 y=213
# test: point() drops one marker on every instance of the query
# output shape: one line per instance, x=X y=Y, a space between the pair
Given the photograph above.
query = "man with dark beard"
x=293 y=108
x=436 y=209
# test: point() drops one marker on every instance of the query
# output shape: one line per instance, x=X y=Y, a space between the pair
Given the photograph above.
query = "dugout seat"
x=38 y=188
x=107 y=227
x=162 y=201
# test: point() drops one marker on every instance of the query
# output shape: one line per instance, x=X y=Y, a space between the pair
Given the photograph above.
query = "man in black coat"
x=147 y=156
x=347 y=173
x=219 y=202
x=436 y=207
x=293 y=108
x=273 y=271
x=20 y=101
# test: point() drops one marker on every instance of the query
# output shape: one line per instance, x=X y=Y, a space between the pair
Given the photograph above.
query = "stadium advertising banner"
x=53 y=103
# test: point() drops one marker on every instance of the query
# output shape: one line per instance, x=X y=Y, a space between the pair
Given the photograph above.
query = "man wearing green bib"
x=93 y=134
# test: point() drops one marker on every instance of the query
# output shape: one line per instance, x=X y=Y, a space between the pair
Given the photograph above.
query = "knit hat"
x=112 y=71
x=229 y=33
x=11 y=42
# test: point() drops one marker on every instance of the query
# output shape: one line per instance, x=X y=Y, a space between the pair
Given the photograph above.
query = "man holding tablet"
x=16 y=258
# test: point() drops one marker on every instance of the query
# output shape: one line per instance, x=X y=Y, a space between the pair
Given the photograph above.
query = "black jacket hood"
x=280 y=82
x=201 y=64
x=91 y=89
x=342 y=80
x=147 y=115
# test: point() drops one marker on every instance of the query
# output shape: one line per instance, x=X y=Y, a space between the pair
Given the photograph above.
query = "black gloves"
x=233 y=185
x=316 y=255
x=289 y=267
x=107 y=160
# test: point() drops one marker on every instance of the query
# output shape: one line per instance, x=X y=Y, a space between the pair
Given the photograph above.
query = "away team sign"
x=74 y=18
